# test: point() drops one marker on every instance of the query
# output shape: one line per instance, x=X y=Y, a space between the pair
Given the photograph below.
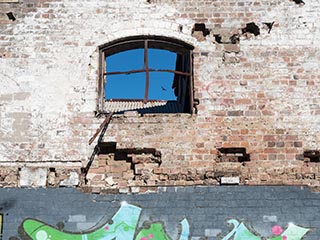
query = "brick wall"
x=259 y=92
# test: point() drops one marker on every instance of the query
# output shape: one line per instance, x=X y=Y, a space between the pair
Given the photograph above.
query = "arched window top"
x=158 y=42
x=148 y=74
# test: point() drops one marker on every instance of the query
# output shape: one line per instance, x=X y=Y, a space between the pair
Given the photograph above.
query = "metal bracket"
x=103 y=127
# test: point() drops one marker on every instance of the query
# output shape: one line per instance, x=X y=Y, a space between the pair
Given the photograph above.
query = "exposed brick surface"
x=258 y=91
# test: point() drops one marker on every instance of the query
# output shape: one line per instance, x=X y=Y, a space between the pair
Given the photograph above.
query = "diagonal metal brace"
x=103 y=127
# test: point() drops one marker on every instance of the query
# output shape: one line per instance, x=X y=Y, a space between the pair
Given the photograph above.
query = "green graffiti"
x=241 y=232
x=155 y=231
x=124 y=224
x=123 y=227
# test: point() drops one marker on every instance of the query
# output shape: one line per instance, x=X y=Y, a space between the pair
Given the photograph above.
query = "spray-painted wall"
x=278 y=213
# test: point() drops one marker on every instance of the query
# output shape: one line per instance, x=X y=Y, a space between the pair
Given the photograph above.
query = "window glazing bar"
x=191 y=89
x=146 y=66
x=150 y=70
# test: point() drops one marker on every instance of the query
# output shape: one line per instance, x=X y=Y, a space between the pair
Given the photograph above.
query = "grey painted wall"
x=207 y=209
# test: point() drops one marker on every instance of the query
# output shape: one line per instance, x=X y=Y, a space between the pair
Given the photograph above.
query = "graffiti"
x=123 y=226
x=241 y=232
x=219 y=92
x=157 y=232
x=1 y=225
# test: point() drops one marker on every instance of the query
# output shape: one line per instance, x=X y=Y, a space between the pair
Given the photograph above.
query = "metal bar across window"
x=191 y=83
x=150 y=70
x=146 y=66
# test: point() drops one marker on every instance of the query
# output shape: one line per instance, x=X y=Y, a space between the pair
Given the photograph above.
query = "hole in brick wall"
x=269 y=25
x=107 y=147
x=201 y=27
x=52 y=170
x=251 y=28
x=235 y=154
x=299 y=2
x=129 y=164
x=11 y=16
x=218 y=38
x=313 y=155
x=234 y=39
x=124 y=153
x=121 y=166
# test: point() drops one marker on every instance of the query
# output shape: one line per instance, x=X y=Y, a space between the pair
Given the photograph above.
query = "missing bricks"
x=251 y=28
x=312 y=155
x=200 y=31
x=300 y=2
x=235 y=154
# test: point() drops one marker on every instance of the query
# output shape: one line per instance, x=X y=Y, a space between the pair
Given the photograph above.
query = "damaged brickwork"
x=255 y=87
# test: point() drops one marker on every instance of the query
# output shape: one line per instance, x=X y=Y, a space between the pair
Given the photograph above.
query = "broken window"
x=146 y=74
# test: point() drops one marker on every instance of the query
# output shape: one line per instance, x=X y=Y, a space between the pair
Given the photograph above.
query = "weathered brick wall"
x=256 y=92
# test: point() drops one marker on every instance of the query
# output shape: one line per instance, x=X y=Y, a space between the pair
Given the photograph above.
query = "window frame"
x=143 y=42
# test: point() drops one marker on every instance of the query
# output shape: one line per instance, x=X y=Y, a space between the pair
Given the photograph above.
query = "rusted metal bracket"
x=103 y=124
x=103 y=127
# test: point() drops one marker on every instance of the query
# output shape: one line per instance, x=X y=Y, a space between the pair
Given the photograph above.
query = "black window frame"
x=181 y=48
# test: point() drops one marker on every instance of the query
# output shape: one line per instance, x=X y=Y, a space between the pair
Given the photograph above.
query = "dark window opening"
x=146 y=74
x=312 y=155
x=235 y=154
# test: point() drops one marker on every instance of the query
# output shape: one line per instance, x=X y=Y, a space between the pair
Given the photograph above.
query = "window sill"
x=137 y=114
x=151 y=107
